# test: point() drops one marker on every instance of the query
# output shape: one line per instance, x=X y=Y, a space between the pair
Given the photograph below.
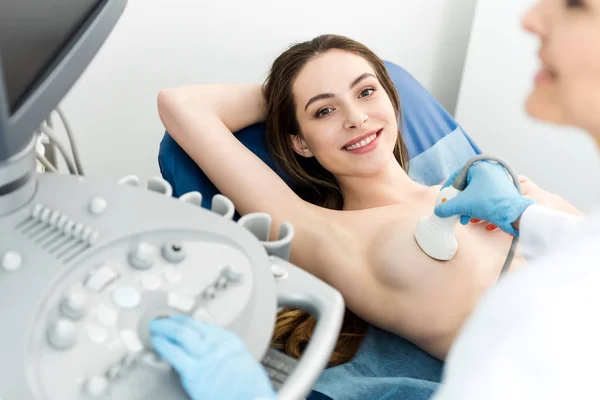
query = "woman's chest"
x=388 y=237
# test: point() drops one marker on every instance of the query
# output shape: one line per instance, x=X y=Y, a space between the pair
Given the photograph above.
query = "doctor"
x=536 y=334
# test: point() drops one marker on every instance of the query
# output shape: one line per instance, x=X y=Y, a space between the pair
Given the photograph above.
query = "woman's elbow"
x=165 y=100
x=171 y=106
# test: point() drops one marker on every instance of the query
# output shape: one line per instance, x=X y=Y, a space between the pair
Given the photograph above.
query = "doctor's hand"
x=213 y=363
x=490 y=195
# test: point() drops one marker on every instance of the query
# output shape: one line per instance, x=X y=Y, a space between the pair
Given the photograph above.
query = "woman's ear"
x=300 y=146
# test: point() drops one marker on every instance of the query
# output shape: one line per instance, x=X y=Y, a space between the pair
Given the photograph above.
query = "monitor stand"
x=18 y=179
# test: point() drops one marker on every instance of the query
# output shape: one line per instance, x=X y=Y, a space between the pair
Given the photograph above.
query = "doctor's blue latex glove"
x=213 y=363
x=490 y=195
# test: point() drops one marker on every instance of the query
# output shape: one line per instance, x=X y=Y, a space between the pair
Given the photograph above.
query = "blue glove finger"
x=453 y=207
x=212 y=333
x=195 y=336
x=465 y=219
x=223 y=359
x=172 y=354
x=181 y=334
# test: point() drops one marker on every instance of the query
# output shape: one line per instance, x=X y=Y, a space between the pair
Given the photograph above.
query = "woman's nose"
x=356 y=118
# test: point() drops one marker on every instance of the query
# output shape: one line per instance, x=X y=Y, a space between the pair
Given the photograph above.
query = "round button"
x=61 y=334
x=73 y=305
x=142 y=256
x=173 y=252
x=12 y=261
x=126 y=297
x=96 y=386
x=98 y=205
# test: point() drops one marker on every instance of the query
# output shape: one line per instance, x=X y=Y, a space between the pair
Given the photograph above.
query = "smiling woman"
x=332 y=114
x=322 y=96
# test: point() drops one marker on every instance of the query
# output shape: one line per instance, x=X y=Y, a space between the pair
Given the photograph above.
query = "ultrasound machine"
x=86 y=262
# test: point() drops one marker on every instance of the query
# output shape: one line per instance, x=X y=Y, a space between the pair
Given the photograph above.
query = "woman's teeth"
x=362 y=143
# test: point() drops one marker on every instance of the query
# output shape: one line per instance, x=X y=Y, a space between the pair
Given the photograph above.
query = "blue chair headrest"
x=424 y=123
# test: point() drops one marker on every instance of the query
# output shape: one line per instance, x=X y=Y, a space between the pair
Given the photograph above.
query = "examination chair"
x=386 y=366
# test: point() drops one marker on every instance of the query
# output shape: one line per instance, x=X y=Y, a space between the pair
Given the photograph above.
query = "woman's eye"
x=323 y=112
x=366 y=92
x=574 y=3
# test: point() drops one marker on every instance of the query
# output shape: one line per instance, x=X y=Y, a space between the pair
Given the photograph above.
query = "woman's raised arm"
x=201 y=119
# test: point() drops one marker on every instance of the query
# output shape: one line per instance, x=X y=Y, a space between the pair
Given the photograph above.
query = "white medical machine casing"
x=82 y=275
x=86 y=263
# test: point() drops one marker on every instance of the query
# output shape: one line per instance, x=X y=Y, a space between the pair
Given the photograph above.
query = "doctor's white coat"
x=536 y=334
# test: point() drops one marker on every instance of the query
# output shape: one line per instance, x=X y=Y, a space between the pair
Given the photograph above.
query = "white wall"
x=499 y=70
x=162 y=43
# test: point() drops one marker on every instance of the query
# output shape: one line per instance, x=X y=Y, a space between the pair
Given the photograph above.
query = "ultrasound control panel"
x=88 y=263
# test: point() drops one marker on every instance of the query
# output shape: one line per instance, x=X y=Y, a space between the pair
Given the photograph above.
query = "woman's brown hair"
x=310 y=180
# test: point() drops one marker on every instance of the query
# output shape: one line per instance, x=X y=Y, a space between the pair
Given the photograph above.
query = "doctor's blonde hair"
x=310 y=180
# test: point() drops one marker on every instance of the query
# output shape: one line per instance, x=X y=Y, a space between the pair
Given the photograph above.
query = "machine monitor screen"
x=32 y=32
x=45 y=45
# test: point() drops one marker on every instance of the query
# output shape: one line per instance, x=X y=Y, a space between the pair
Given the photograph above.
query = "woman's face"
x=567 y=87
x=346 y=118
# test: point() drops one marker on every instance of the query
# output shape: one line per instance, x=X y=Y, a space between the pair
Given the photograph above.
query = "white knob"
x=278 y=271
x=96 y=386
x=142 y=256
x=61 y=334
x=73 y=305
x=12 y=261
x=231 y=273
x=173 y=252
x=98 y=205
